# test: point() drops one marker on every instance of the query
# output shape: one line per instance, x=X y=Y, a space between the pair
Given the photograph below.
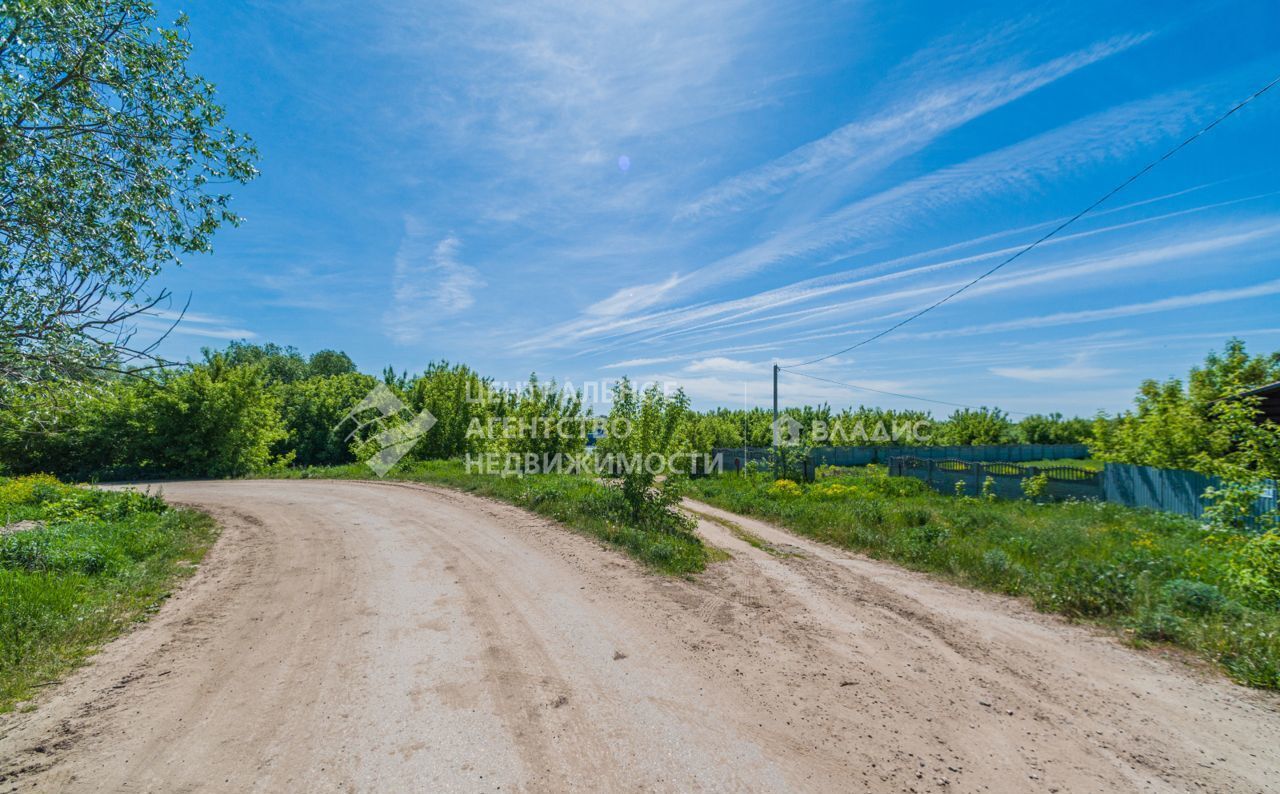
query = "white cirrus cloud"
x=1205 y=298
x=1076 y=369
x=871 y=144
x=429 y=284
x=724 y=364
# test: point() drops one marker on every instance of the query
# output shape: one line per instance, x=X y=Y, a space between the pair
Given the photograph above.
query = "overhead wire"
x=895 y=394
x=1052 y=232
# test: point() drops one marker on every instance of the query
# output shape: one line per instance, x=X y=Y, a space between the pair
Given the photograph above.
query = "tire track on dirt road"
x=391 y=636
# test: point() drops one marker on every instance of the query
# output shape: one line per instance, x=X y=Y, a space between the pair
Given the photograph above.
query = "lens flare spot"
x=624 y=164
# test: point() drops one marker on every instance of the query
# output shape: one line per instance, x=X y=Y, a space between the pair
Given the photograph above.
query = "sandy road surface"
x=361 y=636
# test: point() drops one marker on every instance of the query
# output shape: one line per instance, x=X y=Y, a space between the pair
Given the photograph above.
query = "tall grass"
x=579 y=502
x=84 y=566
x=1159 y=578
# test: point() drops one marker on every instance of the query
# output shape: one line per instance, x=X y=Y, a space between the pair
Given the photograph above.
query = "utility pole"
x=775 y=410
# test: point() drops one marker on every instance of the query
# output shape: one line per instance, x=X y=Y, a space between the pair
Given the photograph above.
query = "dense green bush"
x=1255 y=570
x=215 y=420
x=462 y=402
x=1195 y=598
x=652 y=422
x=208 y=420
x=313 y=411
x=1191 y=426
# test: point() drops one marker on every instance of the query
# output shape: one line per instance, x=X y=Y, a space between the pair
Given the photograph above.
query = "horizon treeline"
x=249 y=407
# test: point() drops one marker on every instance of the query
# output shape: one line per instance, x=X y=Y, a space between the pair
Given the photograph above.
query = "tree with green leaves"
x=641 y=427
x=545 y=420
x=279 y=363
x=976 y=426
x=1053 y=428
x=457 y=396
x=114 y=161
x=314 y=410
x=1202 y=424
x=329 y=363
x=1209 y=425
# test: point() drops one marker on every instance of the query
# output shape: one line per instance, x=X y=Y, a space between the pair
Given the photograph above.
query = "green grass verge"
x=579 y=502
x=1092 y=464
x=86 y=565
x=1158 y=578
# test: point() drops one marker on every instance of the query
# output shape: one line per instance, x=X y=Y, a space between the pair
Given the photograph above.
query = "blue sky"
x=689 y=192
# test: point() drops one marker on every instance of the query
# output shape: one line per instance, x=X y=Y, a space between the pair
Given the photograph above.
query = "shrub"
x=997 y=569
x=785 y=489
x=207 y=420
x=908 y=517
x=1255 y=569
x=1034 y=487
x=214 y=420
x=1084 y=588
x=1195 y=598
x=314 y=410
x=652 y=421
x=1159 y=626
x=919 y=543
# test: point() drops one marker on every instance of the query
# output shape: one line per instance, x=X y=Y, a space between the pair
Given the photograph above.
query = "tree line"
x=249 y=407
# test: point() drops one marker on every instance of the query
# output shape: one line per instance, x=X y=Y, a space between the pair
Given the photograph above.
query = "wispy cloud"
x=724 y=364
x=1022 y=167
x=543 y=98
x=633 y=299
x=1077 y=369
x=869 y=145
x=814 y=301
x=208 y=326
x=1015 y=169
x=1205 y=298
x=429 y=284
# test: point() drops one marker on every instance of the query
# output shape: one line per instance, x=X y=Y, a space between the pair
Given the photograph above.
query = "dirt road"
x=361 y=636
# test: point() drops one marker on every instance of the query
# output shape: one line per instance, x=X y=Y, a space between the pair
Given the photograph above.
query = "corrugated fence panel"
x=1170 y=490
x=862 y=455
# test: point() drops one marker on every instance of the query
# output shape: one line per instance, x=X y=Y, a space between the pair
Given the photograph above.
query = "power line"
x=893 y=393
x=1052 y=232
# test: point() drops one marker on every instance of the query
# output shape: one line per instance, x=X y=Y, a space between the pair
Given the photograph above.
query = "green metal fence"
x=733 y=458
x=1061 y=482
x=1170 y=490
x=1167 y=490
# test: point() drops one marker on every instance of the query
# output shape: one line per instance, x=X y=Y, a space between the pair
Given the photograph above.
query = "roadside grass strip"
x=77 y=567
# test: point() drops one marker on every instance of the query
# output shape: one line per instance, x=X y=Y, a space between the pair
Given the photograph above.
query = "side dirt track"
x=382 y=636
